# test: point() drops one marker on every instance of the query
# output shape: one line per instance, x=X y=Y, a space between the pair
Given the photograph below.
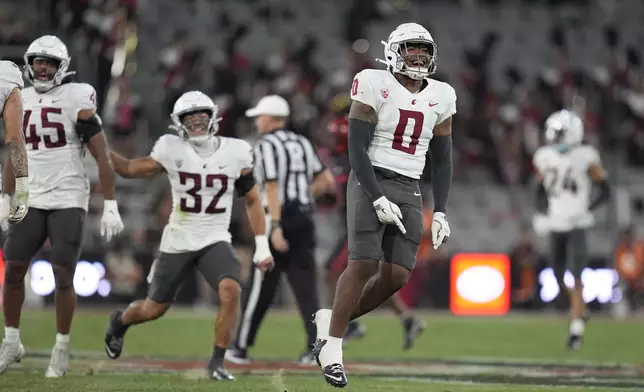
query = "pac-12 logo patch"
x=179 y=163
x=385 y=93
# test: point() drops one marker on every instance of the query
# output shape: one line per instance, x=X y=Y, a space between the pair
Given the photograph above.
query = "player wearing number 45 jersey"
x=394 y=115
x=204 y=170
x=567 y=170
x=59 y=121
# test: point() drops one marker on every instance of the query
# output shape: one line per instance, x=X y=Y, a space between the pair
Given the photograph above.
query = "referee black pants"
x=298 y=264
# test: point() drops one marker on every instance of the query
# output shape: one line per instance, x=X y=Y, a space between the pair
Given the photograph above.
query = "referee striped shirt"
x=290 y=159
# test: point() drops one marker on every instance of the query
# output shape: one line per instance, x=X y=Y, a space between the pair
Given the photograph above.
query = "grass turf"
x=187 y=334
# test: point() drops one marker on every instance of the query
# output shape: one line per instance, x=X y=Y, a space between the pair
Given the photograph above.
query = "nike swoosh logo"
x=416 y=194
x=431 y=105
x=55 y=100
x=335 y=378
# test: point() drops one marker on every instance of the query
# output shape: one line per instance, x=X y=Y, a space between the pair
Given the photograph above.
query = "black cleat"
x=114 y=336
x=220 y=374
x=355 y=331
x=334 y=375
x=574 y=342
x=412 y=329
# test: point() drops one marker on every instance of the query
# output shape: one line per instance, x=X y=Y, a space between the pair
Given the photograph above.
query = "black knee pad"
x=15 y=272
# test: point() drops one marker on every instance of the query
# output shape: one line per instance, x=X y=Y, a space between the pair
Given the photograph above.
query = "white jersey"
x=406 y=120
x=568 y=184
x=10 y=79
x=202 y=190
x=57 y=177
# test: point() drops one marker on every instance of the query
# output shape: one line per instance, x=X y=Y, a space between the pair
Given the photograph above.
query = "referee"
x=291 y=174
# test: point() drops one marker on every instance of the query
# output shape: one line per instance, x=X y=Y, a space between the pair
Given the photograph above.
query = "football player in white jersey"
x=204 y=171
x=11 y=111
x=60 y=120
x=394 y=115
x=567 y=170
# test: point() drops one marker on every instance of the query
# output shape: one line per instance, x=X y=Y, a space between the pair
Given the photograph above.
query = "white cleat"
x=10 y=353
x=59 y=362
x=322 y=321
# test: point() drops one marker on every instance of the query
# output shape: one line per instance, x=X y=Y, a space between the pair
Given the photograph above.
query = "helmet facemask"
x=419 y=58
x=45 y=72
x=416 y=59
x=197 y=125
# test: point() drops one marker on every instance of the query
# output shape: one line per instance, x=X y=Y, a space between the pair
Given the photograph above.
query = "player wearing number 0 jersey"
x=567 y=170
x=60 y=120
x=396 y=115
x=204 y=170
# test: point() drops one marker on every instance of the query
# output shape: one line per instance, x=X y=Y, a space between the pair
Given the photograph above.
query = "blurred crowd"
x=496 y=130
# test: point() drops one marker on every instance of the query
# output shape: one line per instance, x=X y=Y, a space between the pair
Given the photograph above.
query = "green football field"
x=513 y=353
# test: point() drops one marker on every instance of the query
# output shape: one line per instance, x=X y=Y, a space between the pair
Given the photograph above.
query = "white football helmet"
x=52 y=48
x=415 y=65
x=191 y=102
x=564 y=128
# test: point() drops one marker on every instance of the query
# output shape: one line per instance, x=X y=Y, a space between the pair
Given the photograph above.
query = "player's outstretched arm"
x=441 y=150
x=362 y=125
x=135 y=168
x=14 y=138
x=598 y=175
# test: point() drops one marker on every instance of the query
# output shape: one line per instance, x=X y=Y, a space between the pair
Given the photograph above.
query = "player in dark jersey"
x=337 y=261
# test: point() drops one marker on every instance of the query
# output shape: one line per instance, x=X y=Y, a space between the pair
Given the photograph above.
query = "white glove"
x=540 y=225
x=262 y=256
x=111 y=223
x=20 y=200
x=5 y=211
x=389 y=213
x=440 y=229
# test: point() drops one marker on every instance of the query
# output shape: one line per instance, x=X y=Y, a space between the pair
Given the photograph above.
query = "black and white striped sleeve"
x=312 y=157
x=268 y=159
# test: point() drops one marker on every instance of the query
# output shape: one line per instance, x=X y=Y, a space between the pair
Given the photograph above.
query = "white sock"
x=577 y=327
x=331 y=352
x=12 y=334
x=62 y=340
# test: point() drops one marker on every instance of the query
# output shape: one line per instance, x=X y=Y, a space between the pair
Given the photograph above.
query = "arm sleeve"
x=360 y=137
x=441 y=153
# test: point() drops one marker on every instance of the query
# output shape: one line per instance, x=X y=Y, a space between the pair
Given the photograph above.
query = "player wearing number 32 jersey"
x=204 y=170
x=396 y=116
x=59 y=122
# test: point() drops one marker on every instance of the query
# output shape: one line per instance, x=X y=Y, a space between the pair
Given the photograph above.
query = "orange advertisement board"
x=480 y=284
